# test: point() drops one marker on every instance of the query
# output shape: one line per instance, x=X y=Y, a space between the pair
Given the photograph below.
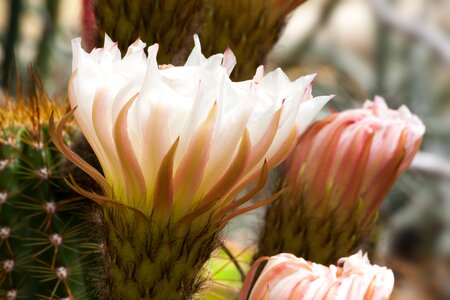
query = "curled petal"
x=57 y=139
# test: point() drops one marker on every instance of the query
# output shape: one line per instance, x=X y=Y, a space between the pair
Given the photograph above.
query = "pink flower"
x=352 y=159
x=287 y=277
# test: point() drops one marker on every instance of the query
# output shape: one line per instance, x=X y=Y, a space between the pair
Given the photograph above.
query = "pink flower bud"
x=352 y=159
x=335 y=180
x=89 y=25
x=287 y=277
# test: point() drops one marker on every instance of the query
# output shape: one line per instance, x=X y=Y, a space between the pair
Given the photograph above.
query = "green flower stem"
x=319 y=235
x=145 y=260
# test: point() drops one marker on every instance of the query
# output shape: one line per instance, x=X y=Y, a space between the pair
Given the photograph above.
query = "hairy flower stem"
x=291 y=227
x=147 y=260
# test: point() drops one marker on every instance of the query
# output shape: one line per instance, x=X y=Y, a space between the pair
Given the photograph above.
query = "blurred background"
x=360 y=48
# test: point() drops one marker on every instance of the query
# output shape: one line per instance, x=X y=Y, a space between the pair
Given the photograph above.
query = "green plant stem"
x=145 y=259
x=293 y=227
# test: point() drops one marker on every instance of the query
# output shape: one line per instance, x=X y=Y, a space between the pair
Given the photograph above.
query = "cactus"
x=42 y=242
x=249 y=27
x=171 y=23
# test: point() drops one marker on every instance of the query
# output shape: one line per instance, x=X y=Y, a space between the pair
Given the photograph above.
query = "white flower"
x=185 y=139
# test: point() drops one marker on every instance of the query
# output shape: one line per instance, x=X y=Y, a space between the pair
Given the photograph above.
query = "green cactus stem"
x=43 y=249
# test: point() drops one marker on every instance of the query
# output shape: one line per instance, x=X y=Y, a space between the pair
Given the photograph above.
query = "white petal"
x=196 y=57
x=229 y=60
x=309 y=109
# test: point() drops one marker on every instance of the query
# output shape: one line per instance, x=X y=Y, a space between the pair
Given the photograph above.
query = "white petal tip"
x=259 y=74
x=229 y=60
x=197 y=42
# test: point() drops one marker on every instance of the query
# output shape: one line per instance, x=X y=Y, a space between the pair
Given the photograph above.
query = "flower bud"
x=88 y=25
x=250 y=28
x=287 y=277
x=337 y=177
